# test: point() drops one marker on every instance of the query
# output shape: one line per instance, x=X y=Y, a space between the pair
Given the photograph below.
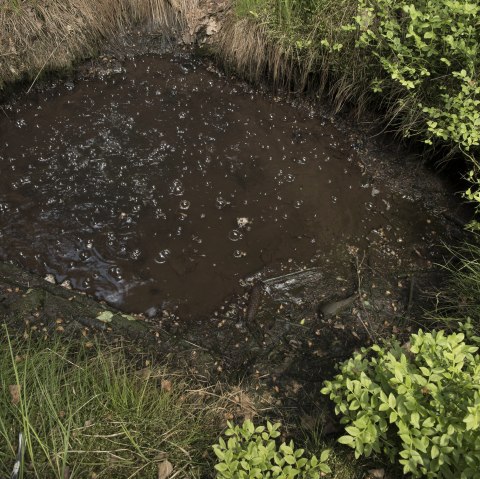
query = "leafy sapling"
x=252 y=453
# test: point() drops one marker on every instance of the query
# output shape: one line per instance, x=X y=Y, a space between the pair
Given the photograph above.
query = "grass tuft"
x=293 y=45
x=91 y=413
x=459 y=300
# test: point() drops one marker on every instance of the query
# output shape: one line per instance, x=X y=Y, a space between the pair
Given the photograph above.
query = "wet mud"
x=165 y=186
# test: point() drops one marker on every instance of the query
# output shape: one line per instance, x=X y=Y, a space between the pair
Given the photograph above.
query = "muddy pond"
x=166 y=184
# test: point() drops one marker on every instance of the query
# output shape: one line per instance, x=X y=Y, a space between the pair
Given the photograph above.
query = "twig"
x=178 y=472
x=358 y=266
x=410 y=293
x=4 y=112
x=194 y=345
x=365 y=326
x=47 y=60
x=17 y=467
x=270 y=280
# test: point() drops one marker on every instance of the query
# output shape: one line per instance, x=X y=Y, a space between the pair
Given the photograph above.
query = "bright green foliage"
x=429 y=48
x=419 y=404
x=252 y=452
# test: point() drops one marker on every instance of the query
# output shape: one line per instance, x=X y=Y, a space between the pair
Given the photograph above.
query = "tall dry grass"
x=41 y=35
x=103 y=411
x=279 y=46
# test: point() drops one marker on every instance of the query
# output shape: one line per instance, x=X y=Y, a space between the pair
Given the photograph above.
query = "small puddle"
x=166 y=184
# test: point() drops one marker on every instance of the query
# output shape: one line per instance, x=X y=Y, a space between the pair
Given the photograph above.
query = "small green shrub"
x=251 y=452
x=419 y=404
x=429 y=51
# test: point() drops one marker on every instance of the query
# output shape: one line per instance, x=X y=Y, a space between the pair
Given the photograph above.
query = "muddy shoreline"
x=382 y=164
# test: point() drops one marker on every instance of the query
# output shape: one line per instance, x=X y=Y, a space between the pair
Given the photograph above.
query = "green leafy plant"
x=418 y=403
x=252 y=452
x=429 y=52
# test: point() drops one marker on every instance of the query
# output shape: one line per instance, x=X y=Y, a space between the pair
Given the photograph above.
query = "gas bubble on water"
x=221 y=203
x=162 y=256
x=115 y=272
x=239 y=254
x=298 y=204
x=159 y=214
x=135 y=254
x=84 y=255
x=290 y=178
x=184 y=204
x=235 y=235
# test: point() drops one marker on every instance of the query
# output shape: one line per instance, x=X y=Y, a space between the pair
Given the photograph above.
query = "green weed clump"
x=428 y=51
x=88 y=413
x=418 y=403
x=252 y=453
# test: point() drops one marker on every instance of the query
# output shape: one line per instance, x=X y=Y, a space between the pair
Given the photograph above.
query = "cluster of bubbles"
x=221 y=203
x=116 y=273
x=177 y=188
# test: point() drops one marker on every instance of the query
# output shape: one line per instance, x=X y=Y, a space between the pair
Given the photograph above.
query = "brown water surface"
x=168 y=183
